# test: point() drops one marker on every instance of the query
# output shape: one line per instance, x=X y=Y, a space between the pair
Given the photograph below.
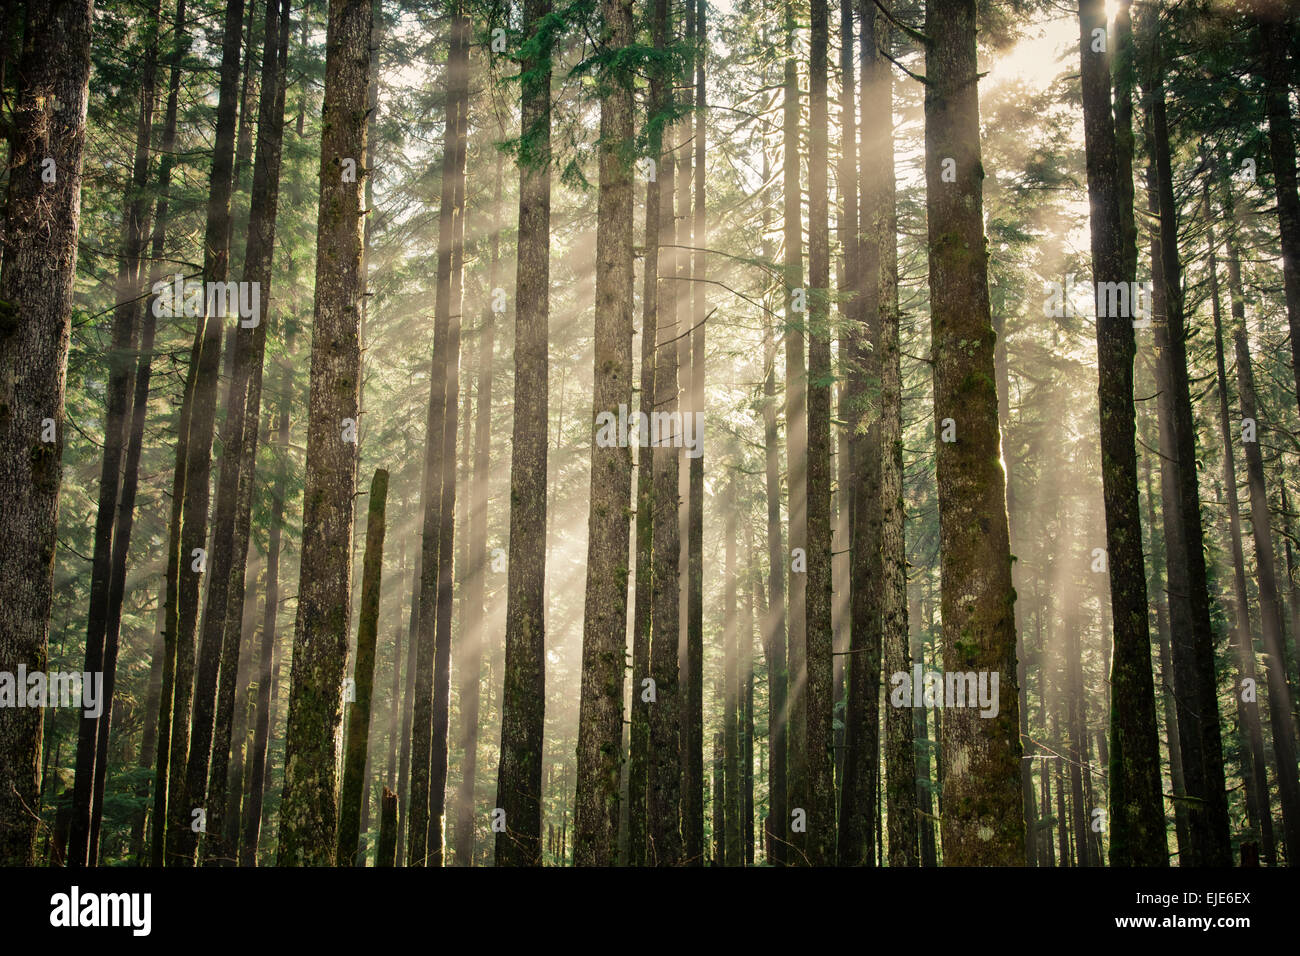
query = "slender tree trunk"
x=270 y=606
x=1137 y=825
x=1279 y=694
x=694 y=341
x=233 y=518
x=728 y=796
x=1254 y=769
x=387 y=855
x=519 y=775
x=775 y=838
x=475 y=573
x=356 y=746
x=308 y=825
x=192 y=713
x=101 y=639
x=40 y=254
x=1273 y=35
x=983 y=823
x=796 y=421
x=1193 y=638
x=167 y=688
x=604 y=631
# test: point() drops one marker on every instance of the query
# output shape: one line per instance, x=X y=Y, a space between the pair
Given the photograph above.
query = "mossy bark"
x=308 y=822
x=983 y=821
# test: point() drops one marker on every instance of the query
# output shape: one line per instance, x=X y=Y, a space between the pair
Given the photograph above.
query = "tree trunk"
x=243 y=418
x=694 y=669
x=475 y=572
x=308 y=826
x=1279 y=694
x=820 y=690
x=101 y=639
x=358 y=735
x=1193 y=638
x=48 y=121
x=728 y=795
x=1137 y=824
x=270 y=605
x=519 y=775
x=1273 y=36
x=983 y=822
x=387 y=855
x=1254 y=769
x=796 y=422
x=604 y=630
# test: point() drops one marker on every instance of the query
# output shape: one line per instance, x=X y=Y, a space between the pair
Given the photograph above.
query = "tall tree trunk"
x=48 y=122
x=308 y=825
x=1270 y=604
x=101 y=645
x=1254 y=769
x=519 y=775
x=354 y=755
x=604 y=630
x=476 y=571
x=694 y=341
x=857 y=844
x=1193 y=638
x=820 y=689
x=1274 y=31
x=796 y=423
x=728 y=797
x=270 y=606
x=664 y=802
x=775 y=831
x=167 y=688
x=900 y=749
x=433 y=660
x=244 y=412
x=983 y=822
x=192 y=732
x=1137 y=824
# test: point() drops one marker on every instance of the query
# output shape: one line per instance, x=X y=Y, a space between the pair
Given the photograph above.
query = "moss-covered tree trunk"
x=604 y=628
x=48 y=122
x=308 y=824
x=519 y=775
x=363 y=674
x=983 y=822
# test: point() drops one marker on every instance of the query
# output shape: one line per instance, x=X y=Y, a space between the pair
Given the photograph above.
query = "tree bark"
x=604 y=629
x=519 y=775
x=1136 y=819
x=308 y=825
x=48 y=121
x=356 y=748
x=983 y=820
